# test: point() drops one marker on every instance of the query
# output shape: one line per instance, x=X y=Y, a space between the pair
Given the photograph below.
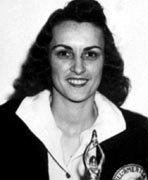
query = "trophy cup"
x=93 y=158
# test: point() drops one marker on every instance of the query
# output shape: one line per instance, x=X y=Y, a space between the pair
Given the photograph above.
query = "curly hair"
x=36 y=71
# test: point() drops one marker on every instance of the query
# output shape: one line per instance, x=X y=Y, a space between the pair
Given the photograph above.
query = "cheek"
x=55 y=72
x=97 y=71
x=97 y=77
x=54 y=65
x=58 y=69
x=54 y=69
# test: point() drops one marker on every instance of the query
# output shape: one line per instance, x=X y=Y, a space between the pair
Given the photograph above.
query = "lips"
x=77 y=82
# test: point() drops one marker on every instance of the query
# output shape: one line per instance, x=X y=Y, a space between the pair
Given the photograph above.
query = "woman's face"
x=76 y=57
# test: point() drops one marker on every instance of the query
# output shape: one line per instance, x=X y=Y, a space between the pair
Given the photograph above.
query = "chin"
x=79 y=98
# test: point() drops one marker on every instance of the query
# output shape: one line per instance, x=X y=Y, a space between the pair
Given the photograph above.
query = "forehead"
x=71 y=31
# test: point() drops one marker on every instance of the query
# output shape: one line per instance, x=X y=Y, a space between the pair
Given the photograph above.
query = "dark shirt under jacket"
x=23 y=155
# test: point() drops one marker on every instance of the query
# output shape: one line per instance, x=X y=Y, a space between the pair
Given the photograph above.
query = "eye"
x=64 y=54
x=90 y=55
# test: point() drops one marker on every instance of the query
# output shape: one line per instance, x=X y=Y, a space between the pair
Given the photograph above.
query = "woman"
x=71 y=84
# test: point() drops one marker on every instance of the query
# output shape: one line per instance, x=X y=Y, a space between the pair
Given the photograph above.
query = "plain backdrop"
x=21 y=20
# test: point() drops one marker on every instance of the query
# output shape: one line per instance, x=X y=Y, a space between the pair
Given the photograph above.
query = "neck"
x=72 y=117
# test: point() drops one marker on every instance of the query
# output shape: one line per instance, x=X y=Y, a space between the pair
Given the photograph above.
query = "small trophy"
x=93 y=158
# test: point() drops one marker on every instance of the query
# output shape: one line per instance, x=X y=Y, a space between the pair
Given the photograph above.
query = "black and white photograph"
x=74 y=89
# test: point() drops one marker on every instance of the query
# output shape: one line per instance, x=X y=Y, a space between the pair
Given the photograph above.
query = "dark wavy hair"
x=36 y=71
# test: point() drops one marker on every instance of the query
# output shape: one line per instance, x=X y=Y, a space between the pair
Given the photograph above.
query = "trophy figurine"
x=93 y=158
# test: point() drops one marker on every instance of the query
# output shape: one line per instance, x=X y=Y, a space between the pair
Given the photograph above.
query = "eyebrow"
x=68 y=47
x=61 y=45
x=92 y=47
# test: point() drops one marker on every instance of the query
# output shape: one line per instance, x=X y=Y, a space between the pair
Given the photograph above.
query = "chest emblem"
x=130 y=172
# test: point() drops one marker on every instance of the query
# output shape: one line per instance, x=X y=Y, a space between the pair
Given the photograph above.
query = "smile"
x=77 y=82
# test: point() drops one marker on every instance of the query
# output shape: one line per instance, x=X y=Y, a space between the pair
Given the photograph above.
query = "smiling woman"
x=64 y=119
x=76 y=58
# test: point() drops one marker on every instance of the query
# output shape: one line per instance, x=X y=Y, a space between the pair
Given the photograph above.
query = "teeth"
x=77 y=81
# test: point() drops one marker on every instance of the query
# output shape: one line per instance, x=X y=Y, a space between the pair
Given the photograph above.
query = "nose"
x=78 y=67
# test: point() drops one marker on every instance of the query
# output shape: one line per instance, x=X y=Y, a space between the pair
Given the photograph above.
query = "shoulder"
x=7 y=113
x=10 y=106
x=11 y=125
x=20 y=145
x=10 y=122
x=135 y=120
x=13 y=128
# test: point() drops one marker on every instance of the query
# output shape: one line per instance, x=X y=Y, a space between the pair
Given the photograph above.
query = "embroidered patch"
x=130 y=172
